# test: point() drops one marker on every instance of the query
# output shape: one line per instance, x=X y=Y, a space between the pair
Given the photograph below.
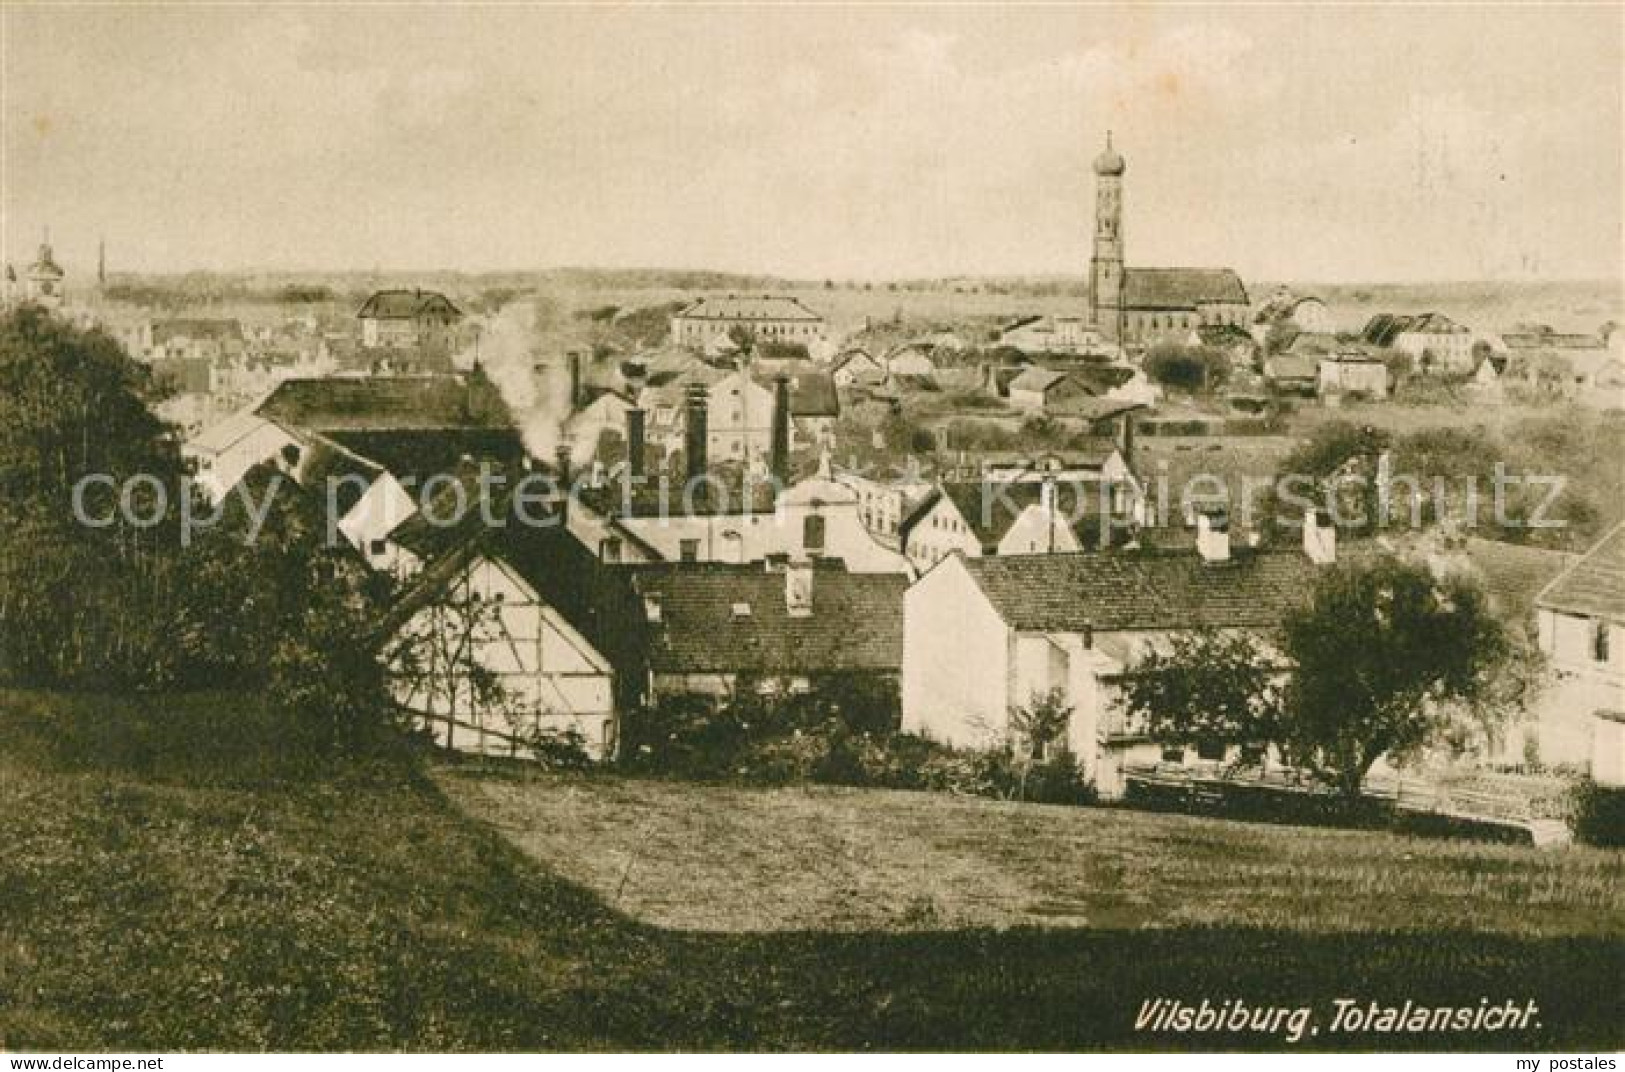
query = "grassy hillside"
x=722 y=858
x=176 y=875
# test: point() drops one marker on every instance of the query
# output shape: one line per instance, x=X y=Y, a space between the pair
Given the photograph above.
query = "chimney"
x=798 y=589
x=696 y=438
x=634 y=442
x=573 y=359
x=1125 y=438
x=1319 y=537
x=780 y=457
x=1213 y=537
x=561 y=463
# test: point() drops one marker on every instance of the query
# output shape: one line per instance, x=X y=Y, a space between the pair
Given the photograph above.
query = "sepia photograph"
x=811 y=528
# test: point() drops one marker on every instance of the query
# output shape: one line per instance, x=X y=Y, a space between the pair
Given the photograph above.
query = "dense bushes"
x=842 y=731
x=1598 y=814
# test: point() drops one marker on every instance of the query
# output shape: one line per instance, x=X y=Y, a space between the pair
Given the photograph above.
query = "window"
x=1173 y=755
x=1599 y=641
x=610 y=550
x=812 y=532
x=688 y=550
x=377 y=547
x=1210 y=750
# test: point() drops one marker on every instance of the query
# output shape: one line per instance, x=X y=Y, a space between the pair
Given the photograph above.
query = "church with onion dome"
x=1143 y=305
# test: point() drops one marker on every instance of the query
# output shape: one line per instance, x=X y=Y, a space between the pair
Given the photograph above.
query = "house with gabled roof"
x=707 y=627
x=522 y=605
x=1016 y=517
x=1436 y=342
x=408 y=319
x=767 y=317
x=1028 y=625
x=1580 y=623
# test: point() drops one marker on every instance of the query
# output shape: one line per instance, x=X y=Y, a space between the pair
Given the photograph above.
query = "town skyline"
x=873 y=145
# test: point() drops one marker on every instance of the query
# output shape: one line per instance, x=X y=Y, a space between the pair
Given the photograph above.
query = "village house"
x=729 y=515
x=1580 y=619
x=572 y=643
x=816 y=518
x=1041 y=334
x=409 y=320
x=1435 y=342
x=1043 y=390
x=524 y=609
x=1351 y=372
x=767 y=318
x=1018 y=517
x=1295 y=374
x=1028 y=625
x=851 y=365
x=1286 y=314
x=782 y=625
x=910 y=359
x=884 y=501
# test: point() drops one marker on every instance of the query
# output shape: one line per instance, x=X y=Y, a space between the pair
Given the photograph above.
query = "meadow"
x=183 y=873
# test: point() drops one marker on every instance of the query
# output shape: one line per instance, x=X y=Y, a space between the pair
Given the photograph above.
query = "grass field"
x=177 y=874
x=821 y=857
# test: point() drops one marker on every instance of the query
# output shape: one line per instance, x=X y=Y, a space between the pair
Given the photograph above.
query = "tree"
x=80 y=602
x=1335 y=467
x=1209 y=688
x=1189 y=368
x=1381 y=651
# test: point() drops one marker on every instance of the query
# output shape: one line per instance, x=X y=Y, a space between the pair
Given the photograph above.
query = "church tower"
x=1106 y=266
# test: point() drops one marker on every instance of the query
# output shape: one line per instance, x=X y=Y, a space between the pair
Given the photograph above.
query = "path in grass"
x=719 y=858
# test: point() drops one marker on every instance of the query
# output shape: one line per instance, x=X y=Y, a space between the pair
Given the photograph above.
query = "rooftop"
x=407 y=305
x=1595 y=585
x=1105 y=591
x=856 y=622
x=388 y=402
x=1181 y=288
x=748 y=308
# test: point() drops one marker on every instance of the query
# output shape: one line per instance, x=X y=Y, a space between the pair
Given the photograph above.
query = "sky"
x=1352 y=144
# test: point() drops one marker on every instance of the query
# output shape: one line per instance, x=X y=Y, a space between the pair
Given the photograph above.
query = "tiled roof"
x=990 y=508
x=388 y=402
x=812 y=390
x=1292 y=367
x=1037 y=378
x=1384 y=328
x=1515 y=575
x=724 y=492
x=1117 y=590
x=1595 y=585
x=1180 y=288
x=223 y=435
x=407 y=305
x=748 y=308
x=421 y=453
x=856 y=622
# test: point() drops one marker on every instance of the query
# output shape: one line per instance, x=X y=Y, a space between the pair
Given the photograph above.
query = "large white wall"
x=956 y=660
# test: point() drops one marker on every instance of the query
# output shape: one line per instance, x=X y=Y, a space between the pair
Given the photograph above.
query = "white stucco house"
x=1580 y=623
x=1027 y=624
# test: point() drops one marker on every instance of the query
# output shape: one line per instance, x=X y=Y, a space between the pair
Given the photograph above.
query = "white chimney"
x=798 y=589
x=1319 y=537
x=1213 y=537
